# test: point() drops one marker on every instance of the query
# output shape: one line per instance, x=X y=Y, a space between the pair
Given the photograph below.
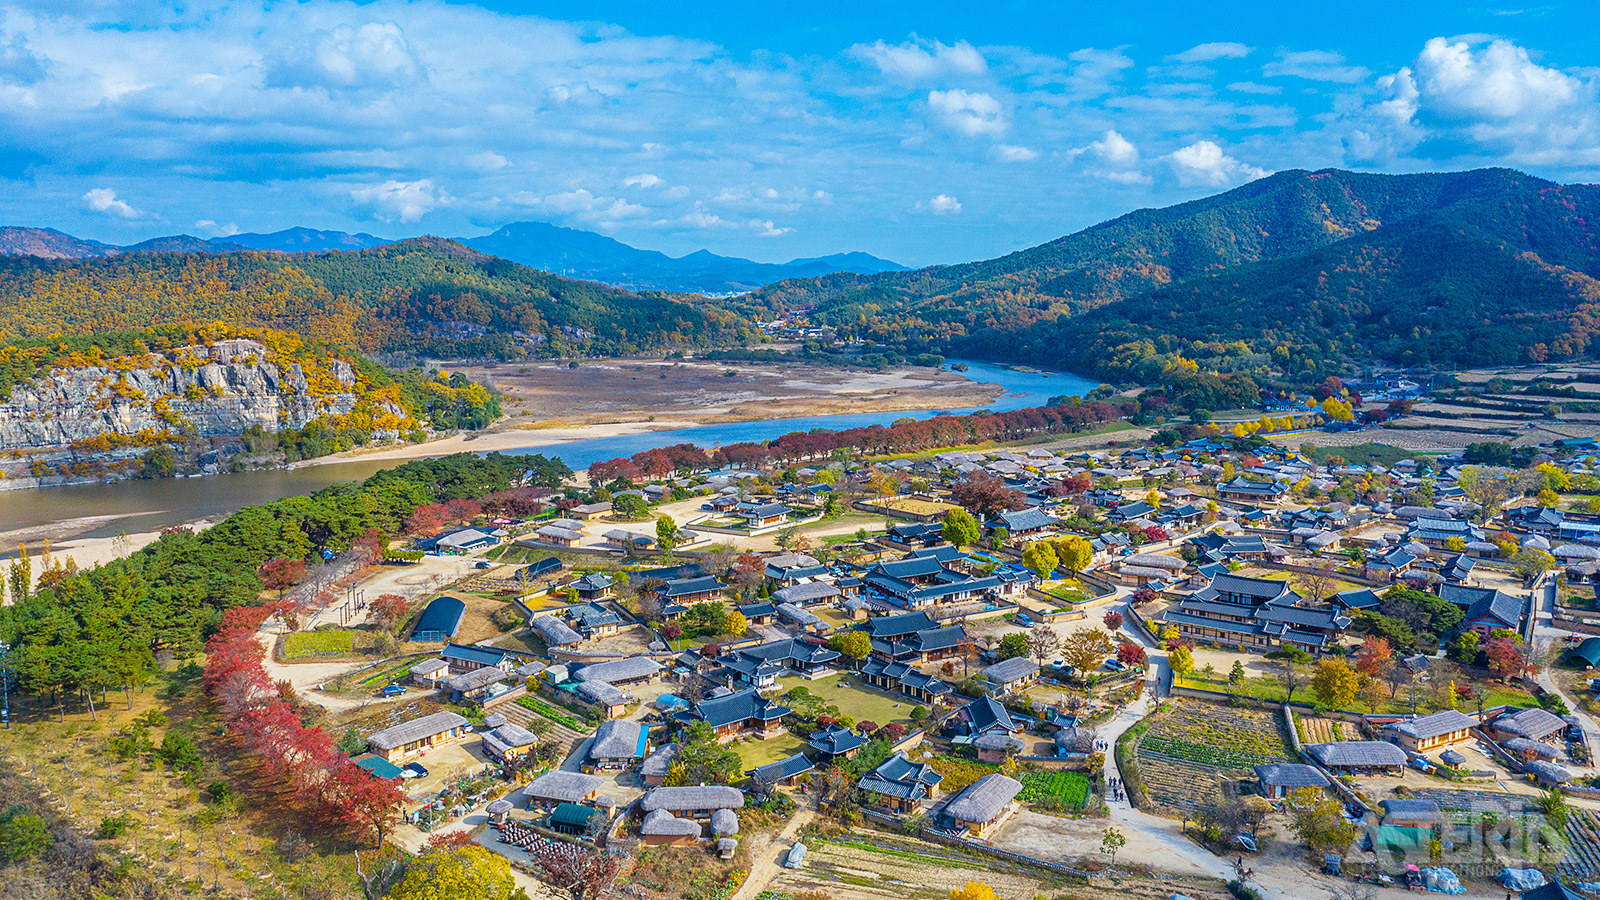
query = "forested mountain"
x=1291 y=272
x=301 y=240
x=426 y=295
x=48 y=243
x=595 y=257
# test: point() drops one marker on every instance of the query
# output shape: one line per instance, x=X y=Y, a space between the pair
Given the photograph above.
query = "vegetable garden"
x=1191 y=748
x=1068 y=789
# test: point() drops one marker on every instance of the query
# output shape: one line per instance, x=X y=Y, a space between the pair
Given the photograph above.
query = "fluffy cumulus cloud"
x=1115 y=158
x=1204 y=164
x=487 y=161
x=940 y=205
x=971 y=113
x=400 y=201
x=1484 y=97
x=373 y=55
x=1013 y=153
x=917 y=61
x=1314 y=65
x=104 y=200
x=643 y=180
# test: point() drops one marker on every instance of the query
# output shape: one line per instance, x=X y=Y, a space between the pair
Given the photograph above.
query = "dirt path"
x=765 y=866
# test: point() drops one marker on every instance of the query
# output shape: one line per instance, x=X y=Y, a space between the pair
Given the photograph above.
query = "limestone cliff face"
x=201 y=392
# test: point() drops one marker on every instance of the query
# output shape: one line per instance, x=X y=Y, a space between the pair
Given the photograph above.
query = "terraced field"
x=1192 y=748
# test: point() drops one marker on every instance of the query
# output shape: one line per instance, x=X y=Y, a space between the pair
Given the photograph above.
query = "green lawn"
x=1268 y=687
x=867 y=704
x=314 y=644
x=759 y=753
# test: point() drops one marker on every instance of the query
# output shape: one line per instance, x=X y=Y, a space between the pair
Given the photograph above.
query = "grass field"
x=315 y=644
x=759 y=753
x=856 y=699
x=1065 y=788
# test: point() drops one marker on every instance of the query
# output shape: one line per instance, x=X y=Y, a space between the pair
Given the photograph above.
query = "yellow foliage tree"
x=974 y=890
x=470 y=873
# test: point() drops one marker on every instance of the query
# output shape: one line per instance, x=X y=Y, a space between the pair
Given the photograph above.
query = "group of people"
x=519 y=835
x=1114 y=785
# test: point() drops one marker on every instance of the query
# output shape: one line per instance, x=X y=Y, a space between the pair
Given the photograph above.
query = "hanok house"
x=1009 y=676
x=1276 y=780
x=926 y=646
x=985 y=804
x=618 y=744
x=594 y=586
x=686 y=592
x=559 y=786
x=758 y=613
x=764 y=515
x=1252 y=491
x=467 y=657
x=807 y=593
x=1534 y=724
x=430 y=673
x=508 y=742
x=629 y=541
x=922 y=581
x=740 y=714
x=836 y=742
x=996 y=747
x=982 y=716
x=418 y=735
x=1255 y=614
x=1411 y=813
x=593 y=621
x=692 y=802
x=1440 y=729
x=556 y=536
x=900 y=785
x=907 y=679
x=784 y=772
x=475 y=686
x=1485 y=609
x=759 y=666
x=589 y=511
x=556 y=634
x=790 y=568
x=1528 y=751
x=653 y=771
x=1019 y=522
x=1341 y=757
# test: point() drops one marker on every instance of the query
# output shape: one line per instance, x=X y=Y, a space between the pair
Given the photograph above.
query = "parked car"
x=1024 y=620
x=413 y=770
x=1115 y=665
x=393 y=690
x=481 y=564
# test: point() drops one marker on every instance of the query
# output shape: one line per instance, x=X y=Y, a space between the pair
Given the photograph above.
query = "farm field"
x=332 y=643
x=1315 y=730
x=919 y=506
x=1066 y=788
x=1191 y=748
x=877 y=866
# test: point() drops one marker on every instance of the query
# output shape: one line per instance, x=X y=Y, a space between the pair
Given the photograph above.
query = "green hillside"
x=1288 y=274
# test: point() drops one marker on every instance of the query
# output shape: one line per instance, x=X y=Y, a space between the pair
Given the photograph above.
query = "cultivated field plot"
x=1325 y=731
x=1064 y=788
x=1191 y=748
x=898 y=868
x=918 y=506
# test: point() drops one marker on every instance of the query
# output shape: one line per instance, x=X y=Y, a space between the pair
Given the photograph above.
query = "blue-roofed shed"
x=439 y=621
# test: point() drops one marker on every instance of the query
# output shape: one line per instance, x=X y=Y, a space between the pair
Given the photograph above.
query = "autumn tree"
x=1112 y=841
x=960 y=528
x=1374 y=659
x=1040 y=558
x=1042 y=641
x=582 y=873
x=1085 y=650
x=854 y=644
x=974 y=890
x=1335 y=683
x=1318 y=820
x=1074 y=553
x=985 y=495
x=467 y=872
x=1112 y=620
x=1507 y=658
x=735 y=624
x=389 y=610
x=281 y=574
x=1180 y=660
x=1131 y=654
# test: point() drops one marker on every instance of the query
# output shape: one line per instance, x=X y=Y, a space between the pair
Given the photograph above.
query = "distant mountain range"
x=569 y=252
x=1293 y=273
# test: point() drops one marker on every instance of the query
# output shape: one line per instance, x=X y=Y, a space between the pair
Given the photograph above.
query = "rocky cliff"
x=196 y=391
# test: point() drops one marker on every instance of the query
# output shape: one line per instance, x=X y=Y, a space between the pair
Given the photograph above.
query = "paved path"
x=765 y=866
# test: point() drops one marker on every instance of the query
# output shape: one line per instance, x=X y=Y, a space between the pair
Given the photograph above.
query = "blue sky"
x=931 y=132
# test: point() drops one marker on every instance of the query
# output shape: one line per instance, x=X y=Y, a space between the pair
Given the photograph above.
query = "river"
x=134 y=506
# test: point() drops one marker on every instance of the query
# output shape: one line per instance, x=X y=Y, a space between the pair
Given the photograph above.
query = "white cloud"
x=1204 y=164
x=375 y=55
x=970 y=113
x=919 y=60
x=1013 y=153
x=1116 y=150
x=1252 y=87
x=209 y=229
x=941 y=205
x=104 y=200
x=765 y=228
x=1484 y=94
x=643 y=180
x=584 y=206
x=18 y=64
x=1096 y=71
x=1214 y=51
x=487 y=161
x=1314 y=65
x=405 y=201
